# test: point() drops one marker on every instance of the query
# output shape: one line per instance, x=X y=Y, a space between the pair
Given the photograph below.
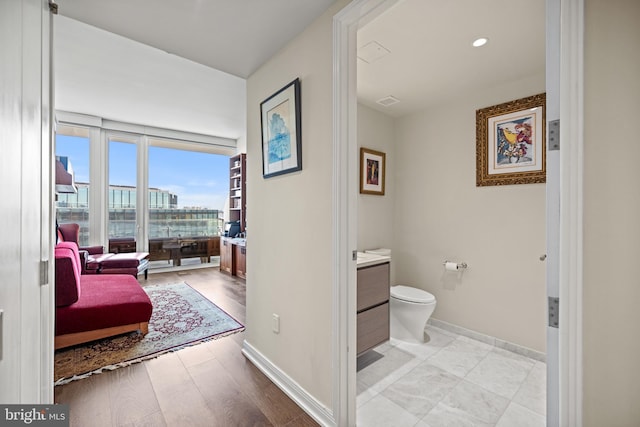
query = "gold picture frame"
x=510 y=142
x=372 y=171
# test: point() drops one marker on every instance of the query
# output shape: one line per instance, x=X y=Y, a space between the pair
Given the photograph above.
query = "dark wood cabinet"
x=226 y=255
x=233 y=257
x=240 y=252
x=372 y=300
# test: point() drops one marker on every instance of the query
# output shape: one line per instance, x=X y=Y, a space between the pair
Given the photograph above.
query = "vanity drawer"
x=372 y=327
x=372 y=285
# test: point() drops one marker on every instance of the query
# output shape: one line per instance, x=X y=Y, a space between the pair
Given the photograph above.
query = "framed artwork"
x=372 y=169
x=510 y=142
x=281 y=131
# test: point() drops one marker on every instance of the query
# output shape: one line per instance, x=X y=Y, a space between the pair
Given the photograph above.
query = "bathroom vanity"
x=372 y=296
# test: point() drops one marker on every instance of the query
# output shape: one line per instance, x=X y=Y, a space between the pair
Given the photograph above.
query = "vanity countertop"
x=367 y=259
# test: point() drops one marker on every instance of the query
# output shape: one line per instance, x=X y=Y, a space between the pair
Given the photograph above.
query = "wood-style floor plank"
x=231 y=407
x=209 y=384
x=131 y=394
x=177 y=394
x=152 y=420
x=269 y=398
x=303 y=420
x=88 y=401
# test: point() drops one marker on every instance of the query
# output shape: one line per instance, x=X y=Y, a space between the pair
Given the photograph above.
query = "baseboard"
x=488 y=339
x=320 y=413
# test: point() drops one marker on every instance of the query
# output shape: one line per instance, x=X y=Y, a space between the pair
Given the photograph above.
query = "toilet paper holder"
x=458 y=265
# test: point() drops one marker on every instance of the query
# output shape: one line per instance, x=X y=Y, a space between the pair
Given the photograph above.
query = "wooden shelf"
x=237 y=190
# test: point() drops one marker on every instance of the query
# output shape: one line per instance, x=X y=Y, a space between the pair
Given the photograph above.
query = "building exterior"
x=165 y=218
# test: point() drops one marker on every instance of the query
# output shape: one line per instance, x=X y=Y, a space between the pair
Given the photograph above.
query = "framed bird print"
x=510 y=142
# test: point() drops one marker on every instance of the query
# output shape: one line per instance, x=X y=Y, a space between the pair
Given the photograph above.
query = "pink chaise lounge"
x=94 y=306
x=98 y=262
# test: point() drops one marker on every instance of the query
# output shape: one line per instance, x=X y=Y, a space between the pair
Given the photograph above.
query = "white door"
x=26 y=265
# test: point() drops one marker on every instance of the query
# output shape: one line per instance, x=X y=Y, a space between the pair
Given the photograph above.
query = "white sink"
x=368 y=259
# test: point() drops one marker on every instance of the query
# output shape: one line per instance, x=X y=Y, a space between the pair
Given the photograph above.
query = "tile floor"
x=450 y=381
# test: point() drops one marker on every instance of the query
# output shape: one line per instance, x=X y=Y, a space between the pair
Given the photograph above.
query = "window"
x=187 y=192
x=122 y=187
x=145 y=189
x=73 y=143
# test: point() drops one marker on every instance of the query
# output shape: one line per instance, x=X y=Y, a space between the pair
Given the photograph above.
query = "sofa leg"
x=144 y=328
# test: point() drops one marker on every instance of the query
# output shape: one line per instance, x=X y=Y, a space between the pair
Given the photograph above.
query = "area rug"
x=181 y=317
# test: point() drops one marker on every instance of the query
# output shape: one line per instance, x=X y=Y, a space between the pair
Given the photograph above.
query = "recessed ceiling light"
x=480 y=42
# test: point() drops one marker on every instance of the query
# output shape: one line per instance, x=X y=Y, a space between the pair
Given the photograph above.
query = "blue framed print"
x=281 y=131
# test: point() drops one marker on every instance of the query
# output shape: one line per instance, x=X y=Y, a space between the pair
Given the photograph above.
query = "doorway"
x=347 y=23
x=437 y=81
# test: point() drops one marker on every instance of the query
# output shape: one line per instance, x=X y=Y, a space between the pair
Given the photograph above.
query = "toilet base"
x=408 y=320
x=401 y=333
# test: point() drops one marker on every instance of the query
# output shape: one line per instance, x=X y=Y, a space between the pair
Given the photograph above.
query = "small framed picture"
x=281 y=131
x=510 y=143
x=372 y=171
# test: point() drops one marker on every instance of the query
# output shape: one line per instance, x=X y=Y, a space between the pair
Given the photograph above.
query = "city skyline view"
x=200 y=180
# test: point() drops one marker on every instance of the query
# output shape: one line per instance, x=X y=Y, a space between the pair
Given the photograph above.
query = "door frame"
x=27 y=296
x=564 y=352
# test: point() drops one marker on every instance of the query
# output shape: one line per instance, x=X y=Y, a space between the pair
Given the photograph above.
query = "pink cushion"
x=107 y=301
x=94 y=262
x=68 y=272
x=124 y=260
x=73 y=247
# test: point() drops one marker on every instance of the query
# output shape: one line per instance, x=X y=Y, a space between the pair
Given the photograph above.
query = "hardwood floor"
x=210 y=384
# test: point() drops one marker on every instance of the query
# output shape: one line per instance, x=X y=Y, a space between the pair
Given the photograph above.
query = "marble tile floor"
x=452 y=380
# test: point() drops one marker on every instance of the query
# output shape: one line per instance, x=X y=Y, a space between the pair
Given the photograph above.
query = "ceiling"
x=429 y=61
x=431 y=58
x=234 y=36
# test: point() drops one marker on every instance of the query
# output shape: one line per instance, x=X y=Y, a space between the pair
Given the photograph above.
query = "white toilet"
x=410 y=309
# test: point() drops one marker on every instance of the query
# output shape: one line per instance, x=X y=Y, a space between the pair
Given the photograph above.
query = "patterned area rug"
x=181 y=317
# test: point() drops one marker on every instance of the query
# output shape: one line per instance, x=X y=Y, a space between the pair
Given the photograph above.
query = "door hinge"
x=554 y=135
x=554 y=312
x=53 y=7
x=354 y=255
x=44 y=272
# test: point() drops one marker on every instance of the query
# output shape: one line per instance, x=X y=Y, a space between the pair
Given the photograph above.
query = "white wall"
x=441 y=215
x=612 y=212
x=102 y=74
x=375 y=213
x=289 y=270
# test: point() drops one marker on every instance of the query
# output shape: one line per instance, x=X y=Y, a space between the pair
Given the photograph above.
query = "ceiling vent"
x=372 y=51
x=388 y=101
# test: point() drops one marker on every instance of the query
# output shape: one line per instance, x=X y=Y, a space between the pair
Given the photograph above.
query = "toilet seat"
x=411 y=294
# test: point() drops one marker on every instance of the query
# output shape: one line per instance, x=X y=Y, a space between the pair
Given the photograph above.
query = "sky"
x=199 y=179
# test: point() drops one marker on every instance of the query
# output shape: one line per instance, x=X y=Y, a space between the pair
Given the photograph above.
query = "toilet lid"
x=410 y=294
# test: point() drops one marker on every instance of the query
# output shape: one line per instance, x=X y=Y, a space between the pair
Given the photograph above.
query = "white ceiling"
x=234 y=36
x=102 y=74
x=431 y=58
